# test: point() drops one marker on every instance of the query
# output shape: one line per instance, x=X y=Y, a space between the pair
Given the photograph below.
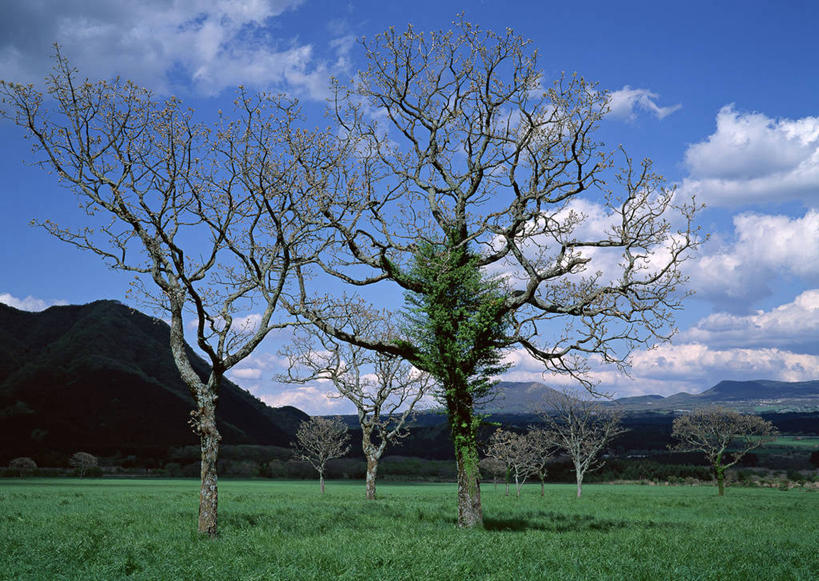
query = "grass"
x=113 y=529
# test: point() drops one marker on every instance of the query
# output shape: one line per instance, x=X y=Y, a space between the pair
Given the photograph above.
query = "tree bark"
x=470 y=513
x=542 y=489
x=579 y=484
x=720 y=480
x=321 y=481
x=209 y=440
x=372 y=469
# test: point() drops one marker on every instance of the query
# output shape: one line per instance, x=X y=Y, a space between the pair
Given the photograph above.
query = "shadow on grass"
x=563 y=523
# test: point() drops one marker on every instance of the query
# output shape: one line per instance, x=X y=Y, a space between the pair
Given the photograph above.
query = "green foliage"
x=457 y=320
x=113 y=529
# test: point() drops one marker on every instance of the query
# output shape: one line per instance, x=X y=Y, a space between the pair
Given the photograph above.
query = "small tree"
x=542 y=445
x=494 y=467
x=22 y=466
x=384 y=388
x=319 y=440
x=718 y=432
x=582 y=427
x=517 y=454
x=82 y=461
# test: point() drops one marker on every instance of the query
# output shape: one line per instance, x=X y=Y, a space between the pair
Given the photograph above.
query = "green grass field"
x=145 y=529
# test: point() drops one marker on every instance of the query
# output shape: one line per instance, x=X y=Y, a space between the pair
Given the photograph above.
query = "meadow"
x=146 y=529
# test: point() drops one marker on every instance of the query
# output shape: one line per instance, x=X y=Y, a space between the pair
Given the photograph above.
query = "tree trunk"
x=579 y=484
x=542 y=489
x=517 y=486
x=203 y=419
x=470 y=513
x=372 y=469
x=209 y=439
x=321 y=481
x=720 y=480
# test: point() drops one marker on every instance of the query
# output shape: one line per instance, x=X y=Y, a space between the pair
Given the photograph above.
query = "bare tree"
x=203 y=213
x=495 y=467
x=22 y=466
x=543 y=446
x=384 y=388
x=461 y=160
x=82 y=461
x=719 y=433
x=517 y=453
x=319 y=440
x=581 y=427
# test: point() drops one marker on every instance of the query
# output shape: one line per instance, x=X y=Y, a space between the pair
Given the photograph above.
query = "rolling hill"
x=100 y=377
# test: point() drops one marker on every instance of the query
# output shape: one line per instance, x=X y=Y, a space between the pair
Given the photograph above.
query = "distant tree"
x=582 y=428
x=202 y=215
x=384 y=388
x=516 y=452
x=542 y=446
x=319 y=440
x=82 y=461
x=22 y=466
x=496 y=468
x=721 y=434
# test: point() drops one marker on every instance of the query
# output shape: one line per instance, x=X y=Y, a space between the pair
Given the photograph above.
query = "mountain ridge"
x=101 y=377
x=747 y=396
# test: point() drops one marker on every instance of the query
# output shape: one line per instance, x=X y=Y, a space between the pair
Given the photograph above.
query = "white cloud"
x=29 y=303
x=311 y=399
x=794 y=325
x=764 y=247
x=691 y=367
x=752 y=158
x=246 y=373
x=210 y=45
x=625 y=103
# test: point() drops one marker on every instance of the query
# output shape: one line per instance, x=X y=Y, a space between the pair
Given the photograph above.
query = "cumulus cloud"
x=246 y=373
x=199 y=43
x=736 y=272
x=311 y=399
x=793 y=325
x=625 y=104
x=751 y=158
x=28 y=303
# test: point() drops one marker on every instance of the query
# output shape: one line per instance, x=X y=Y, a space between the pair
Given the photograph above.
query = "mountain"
x=512 y=397
x=745 y=396
x=100 y=377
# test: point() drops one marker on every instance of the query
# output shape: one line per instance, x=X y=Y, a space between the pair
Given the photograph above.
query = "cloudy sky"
x=722 y=95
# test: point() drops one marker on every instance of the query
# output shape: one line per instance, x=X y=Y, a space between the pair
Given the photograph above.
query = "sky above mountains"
x=722 y=96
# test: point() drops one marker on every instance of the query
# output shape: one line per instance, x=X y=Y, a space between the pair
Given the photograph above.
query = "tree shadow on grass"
x=563 y=523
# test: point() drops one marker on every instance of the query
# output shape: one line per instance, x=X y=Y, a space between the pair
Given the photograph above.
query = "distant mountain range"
x=746 y=396
x=100 y=377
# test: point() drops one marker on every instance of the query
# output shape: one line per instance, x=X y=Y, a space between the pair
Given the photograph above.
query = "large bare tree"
x=582 y=427
x=465 y=159
x=720 y=433
x=384 y=388
x=202 y=215
x=319 y=440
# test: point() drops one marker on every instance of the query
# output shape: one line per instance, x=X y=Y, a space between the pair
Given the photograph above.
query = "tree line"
x=452 y=172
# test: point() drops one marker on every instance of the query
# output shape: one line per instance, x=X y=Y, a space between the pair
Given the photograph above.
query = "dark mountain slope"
x=100 y=377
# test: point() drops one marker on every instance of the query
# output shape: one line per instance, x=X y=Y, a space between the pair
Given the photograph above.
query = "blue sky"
x=721 y=95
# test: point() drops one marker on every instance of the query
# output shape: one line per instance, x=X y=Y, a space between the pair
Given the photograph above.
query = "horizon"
x=723 y=110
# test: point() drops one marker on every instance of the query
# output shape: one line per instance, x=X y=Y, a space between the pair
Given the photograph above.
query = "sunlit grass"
x=109 y=529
